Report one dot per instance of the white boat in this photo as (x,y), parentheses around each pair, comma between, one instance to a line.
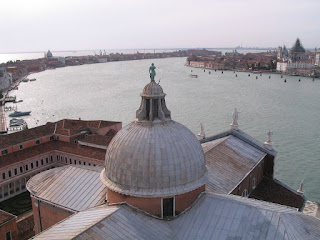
(32,79)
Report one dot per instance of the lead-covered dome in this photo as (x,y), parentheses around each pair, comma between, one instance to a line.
(153,160)
(154,156)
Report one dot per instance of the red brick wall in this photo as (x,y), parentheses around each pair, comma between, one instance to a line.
(247,183)
(183,201)
(10,226)
(153,205)
(49,215)
(150,205)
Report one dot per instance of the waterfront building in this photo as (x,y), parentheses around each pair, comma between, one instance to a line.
(160,182)
(5,79)
(296,61)
(26,153)
(48,54)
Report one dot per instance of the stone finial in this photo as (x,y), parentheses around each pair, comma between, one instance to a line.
(234,124)
(268,143)
(201,134)
(301,188)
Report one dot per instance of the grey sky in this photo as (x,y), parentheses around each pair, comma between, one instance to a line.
(38,25)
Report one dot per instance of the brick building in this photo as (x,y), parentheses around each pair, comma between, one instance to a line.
(24,154)
(8,226)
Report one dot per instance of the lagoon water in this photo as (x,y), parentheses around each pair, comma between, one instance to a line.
(110,91)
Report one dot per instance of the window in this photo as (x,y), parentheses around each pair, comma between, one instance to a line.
(4,152)
(80,162)
(244,193)
(57,137)
(70,161)
(31,165)
(57,158)
(167,207)
(38,142)
(21,169)
(37,163)
(21,147)
(47,160)
(89,164)
(61,158)
(3,175)
(75,162)
(9,173)
(66,160)
(27,167)
(51,138)
(41,162)
(51,157)
(8,235)
(253,183)
(84,163)
(75,141)
(94,165)
(15,171)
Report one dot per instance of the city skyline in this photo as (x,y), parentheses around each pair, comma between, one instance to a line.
(79,25)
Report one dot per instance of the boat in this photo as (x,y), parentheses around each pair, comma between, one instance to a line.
(15,122)
(18,114)
(15,101)
(32,79)
(193,75)
(25,80)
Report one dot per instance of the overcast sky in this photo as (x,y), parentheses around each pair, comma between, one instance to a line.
(39,25)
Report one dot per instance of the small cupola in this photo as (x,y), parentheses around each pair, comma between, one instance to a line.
(153,106)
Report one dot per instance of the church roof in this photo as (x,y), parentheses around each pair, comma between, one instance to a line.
(229,160)
(297,47)
(154,156)
(242,136)
(158,159)
(74,188)
(213,216)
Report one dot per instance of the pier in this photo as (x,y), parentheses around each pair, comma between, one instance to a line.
(10,99)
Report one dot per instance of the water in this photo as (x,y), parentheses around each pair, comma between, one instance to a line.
(110,91)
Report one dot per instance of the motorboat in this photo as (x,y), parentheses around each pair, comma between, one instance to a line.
(32,79)
(18,114)
(15,122)
(193,75)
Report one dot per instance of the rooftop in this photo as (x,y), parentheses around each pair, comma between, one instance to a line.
(5,217)
(229,159)
(213,216)
(272,191)
(75,188)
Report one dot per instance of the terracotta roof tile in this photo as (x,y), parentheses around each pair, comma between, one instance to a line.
(99,139)
(71,148)
(26,135)
(4,217)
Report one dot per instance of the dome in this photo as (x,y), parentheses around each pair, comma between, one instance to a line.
(154,160)
(297,47)
(152,89)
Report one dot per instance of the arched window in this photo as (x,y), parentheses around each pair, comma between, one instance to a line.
(253,183)
(244,193)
